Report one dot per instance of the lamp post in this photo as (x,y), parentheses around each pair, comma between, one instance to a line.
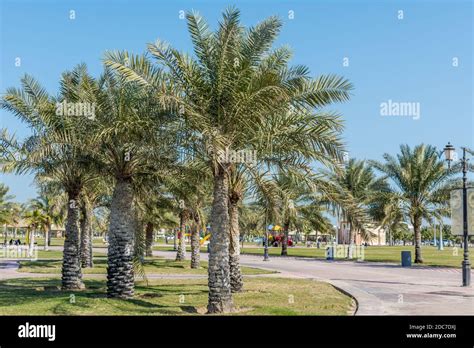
(441,244)
(265,249)
(265,246)
(466,264)
(449,154)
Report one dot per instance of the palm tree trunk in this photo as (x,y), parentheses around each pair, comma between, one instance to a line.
(86,235)
(236,281)
(351,242)
(175,241)
(220,295)
(46,236)
(195,246)
(48,239)
(32,242)
(417,233)
(120,275)
(139,237)
(71,271)
(149,239)
(181,254)
(284,242)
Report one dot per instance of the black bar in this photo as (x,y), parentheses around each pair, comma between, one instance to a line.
(242,330)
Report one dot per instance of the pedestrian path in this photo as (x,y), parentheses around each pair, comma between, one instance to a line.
(379,288)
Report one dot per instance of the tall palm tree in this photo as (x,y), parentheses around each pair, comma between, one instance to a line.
(135,142)
(419,178)
(59,148)
(226,94)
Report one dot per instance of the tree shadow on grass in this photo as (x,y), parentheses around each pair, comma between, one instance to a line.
(189,309)
(173,288)
(27,292)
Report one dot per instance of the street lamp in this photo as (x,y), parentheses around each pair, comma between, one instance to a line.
(441,243)
(265,249)
(449,154)
(265,246)
(466,264)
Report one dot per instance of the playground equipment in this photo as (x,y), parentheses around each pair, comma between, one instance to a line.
(276,236)
(202,241)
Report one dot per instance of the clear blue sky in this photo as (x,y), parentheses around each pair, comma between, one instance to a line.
(408,60)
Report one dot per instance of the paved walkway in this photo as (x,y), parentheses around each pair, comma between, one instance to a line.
(379,288)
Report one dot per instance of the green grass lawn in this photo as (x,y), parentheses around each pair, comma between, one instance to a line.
(449,257)
(53,254)
(50,254)
(170,248)
(40,241)
(152,265)
(431,255)
(261,296)
(97,242)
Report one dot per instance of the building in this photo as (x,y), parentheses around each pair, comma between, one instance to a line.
(21,227)
(378,239)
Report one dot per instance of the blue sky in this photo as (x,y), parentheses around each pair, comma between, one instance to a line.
(403,60)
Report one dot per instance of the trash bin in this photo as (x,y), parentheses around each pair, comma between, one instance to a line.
(406,258)
(330,253)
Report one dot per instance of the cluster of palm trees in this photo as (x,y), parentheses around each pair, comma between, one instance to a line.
(151,153)
(37,215)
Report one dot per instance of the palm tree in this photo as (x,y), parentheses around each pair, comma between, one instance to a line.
(190,188)
(236,191)
(313,215)
(59,149)
(418,177)
(36,220)
(16,213)
(135,144)
(357,181)
(85,224)
(227,95)
(291,194)
(52,208)
(250,222)
(6,208)
(393,218)
(157,211)
(96,193)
